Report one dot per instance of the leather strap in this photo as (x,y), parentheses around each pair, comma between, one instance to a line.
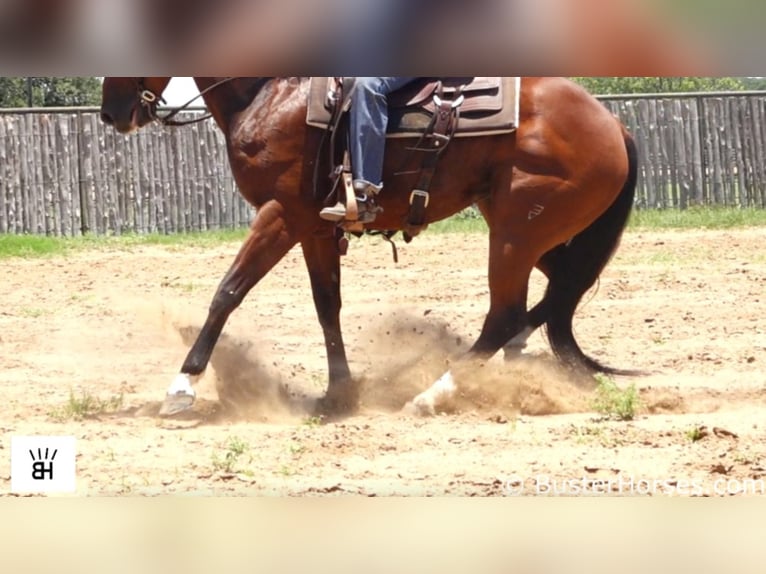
(440,132)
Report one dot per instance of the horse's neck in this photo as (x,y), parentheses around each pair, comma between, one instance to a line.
(229,97)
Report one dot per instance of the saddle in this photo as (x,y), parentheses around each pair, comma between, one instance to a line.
(489,106)
(434,110)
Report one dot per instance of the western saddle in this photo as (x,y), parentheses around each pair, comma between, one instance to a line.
(433,110)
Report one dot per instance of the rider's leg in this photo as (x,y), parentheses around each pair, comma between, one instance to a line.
(367,123)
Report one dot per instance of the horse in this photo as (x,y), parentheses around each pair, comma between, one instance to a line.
(556,194)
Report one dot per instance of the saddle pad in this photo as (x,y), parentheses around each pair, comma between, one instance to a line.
(491,106)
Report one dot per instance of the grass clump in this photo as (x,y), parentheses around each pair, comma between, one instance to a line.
(86,406)
(696,433)
(233,450)
(614,403)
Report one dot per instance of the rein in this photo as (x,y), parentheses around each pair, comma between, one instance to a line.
(150,101)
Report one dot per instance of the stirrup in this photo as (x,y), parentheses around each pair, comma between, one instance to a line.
(335,213)
(368,211)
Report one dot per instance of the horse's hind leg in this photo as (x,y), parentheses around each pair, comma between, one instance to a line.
(266,244)
(538,315)
(510,265)
(323,262)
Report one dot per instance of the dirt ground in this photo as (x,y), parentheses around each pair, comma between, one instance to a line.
(114,325)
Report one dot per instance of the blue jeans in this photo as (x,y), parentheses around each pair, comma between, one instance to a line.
(368,123)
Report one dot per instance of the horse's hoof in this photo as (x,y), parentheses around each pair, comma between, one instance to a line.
(419,408)
(331,407)
(176,403)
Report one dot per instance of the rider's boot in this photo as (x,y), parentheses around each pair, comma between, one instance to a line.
(365,198)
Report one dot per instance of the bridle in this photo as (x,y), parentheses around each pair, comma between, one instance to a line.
(151,102)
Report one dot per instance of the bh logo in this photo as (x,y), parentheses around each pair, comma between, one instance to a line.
(42,464)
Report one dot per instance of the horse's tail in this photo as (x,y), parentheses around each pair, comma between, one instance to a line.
(577,266)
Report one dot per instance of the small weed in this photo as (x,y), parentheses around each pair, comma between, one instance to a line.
(286,471)
(86,406)
(125,486)
(32,312)
(744,458)
(613,402)
(589,434)
(235,448)
(696,433)
(186,287)
(312,421)
(585,434)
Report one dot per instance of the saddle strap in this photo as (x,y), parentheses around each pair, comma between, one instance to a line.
(352,208)
(341,101)
(440,133)
(338,101)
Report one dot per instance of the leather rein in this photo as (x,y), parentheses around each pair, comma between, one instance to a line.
(151,102)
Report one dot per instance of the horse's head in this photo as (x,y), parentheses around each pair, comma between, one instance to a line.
(130,103)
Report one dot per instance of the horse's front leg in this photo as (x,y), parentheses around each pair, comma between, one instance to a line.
(323,262)
(268,241)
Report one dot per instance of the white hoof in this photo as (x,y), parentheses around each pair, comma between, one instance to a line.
(419,407)
(180,396)
(425,403)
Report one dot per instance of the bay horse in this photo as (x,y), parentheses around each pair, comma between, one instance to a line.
(556,194)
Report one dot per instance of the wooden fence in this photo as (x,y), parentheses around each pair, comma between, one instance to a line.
(65,173)
(62,172)
(698,149)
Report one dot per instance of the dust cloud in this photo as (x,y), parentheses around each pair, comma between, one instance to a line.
(410,353)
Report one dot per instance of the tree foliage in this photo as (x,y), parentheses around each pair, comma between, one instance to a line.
(49,92)
(647,85)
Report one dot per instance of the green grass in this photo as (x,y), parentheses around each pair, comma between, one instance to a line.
(470,221)
(697,218)
(696,433)
(614,403)
(86,406)
(29,246)
(467,221)
(195,239)
(312,421)
(234,449)
(32,312)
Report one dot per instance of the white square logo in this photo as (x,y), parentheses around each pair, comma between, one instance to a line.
(42,464)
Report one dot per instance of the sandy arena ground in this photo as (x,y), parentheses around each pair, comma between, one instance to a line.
(689,307)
